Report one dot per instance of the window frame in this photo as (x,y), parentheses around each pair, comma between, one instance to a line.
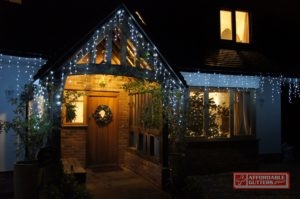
(232,94)
(234,26)
(84,115)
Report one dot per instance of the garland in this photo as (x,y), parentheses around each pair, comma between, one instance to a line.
(103,115)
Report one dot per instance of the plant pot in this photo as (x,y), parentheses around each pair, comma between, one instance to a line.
(27,179)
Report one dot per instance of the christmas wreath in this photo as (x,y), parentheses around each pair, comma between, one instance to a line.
(103,115)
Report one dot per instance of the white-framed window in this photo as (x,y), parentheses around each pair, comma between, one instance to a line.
(235,26)
(220,113)
(74,108)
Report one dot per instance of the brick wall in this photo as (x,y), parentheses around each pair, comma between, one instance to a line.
(73,139)
(123,125)
(73,143)
(149,170)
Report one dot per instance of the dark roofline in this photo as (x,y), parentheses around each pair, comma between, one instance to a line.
(238,71)
(54,62)
(23,54)
(178,75)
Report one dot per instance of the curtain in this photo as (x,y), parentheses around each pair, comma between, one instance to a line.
(246,29)
(242,114)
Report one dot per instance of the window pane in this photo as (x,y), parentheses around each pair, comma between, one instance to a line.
(130,54)
(144,64)
(219,114)
(74,108)
(100,53)
(85,59)
(116,47)
(79,112)
(195,117)
(242,124)
(242,26)
(225,25)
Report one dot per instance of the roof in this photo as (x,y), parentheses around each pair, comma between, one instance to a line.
(121,18)
(235,61)
(182,32)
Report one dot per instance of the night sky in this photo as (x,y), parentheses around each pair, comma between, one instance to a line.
(177,28)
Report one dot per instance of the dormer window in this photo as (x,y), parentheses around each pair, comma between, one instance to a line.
(234,24)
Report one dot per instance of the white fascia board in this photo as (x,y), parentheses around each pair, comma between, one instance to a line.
(220,80)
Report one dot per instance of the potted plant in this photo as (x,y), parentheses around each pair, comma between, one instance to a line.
(31,130)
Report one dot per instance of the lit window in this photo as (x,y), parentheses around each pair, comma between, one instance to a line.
(131,57)
(130,54)
(116,47)
(234,25)
(85,59)
(219,114)
(100,52)
(74,108)
(226,25)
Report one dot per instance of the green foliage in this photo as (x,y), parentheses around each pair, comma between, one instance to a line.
(174,111)
(70,112)
(223,110)
(140,86)
(30,127)
(197,116)
(152,111)
(65,186)
(52,192)
(163,104)
(70,188)
(151,114)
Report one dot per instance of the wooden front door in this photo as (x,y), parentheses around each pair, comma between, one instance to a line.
(102,140)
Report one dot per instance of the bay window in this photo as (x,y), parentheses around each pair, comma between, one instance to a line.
(220,113)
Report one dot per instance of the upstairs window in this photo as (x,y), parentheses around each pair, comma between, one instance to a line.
(234,24)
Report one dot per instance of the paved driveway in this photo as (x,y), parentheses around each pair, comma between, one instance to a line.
(121,184)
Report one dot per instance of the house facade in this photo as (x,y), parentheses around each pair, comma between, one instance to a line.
(235,100)
(107,97)
(116,102)
(15,72)
(232,94)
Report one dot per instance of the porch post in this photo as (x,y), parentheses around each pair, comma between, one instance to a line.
(109,48)
(123,44)
(54,111)
(164,155)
